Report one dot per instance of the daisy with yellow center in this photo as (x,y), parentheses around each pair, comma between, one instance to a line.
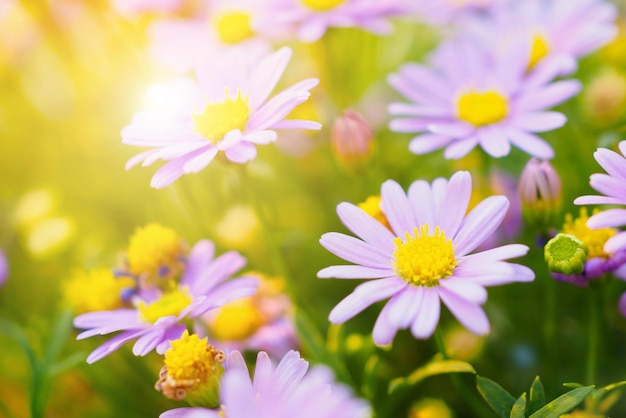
(162,314)
(424,258)
(225,111)
(466,98)
(594,239)
(155,251)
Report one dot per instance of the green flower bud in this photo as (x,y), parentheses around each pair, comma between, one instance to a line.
(566,254)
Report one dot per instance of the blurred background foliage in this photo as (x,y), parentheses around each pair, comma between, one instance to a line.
(72,73)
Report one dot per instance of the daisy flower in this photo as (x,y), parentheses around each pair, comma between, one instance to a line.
(284,391)
(313,17)
(557,27)
(139,7)
(4,268)
(447,11)
(227,111)
(612,186)
(157,319)
(425,258)
(466,98)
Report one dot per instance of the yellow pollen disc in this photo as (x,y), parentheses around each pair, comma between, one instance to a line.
(482,108)
(424,259)
(153,247)
(321,4)
(94,290)
(593,238)
(170,303)
(217,119)
(236,321)
(539,50)
(371,206)
(190,359)
(233,27)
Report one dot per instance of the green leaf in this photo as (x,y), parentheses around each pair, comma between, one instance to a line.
(434,367)
(58,337)
(573,385)
(496,397)
(537,397)
(519,407)
(563,403)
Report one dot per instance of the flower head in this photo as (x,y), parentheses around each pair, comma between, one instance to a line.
(425,258)
(612,186)
(95,290)
(4,268)
(227,111)
(155,251)
(540,193)
(313,17)
(160,314)
(284,391)
(467,98)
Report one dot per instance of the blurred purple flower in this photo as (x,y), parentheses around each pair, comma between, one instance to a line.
(451,11)
(612,186)
(467,98)
(425,259)
(284,391)
(4,268)
(227,111)
(155,322)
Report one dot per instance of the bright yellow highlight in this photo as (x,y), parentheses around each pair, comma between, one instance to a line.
(233,27)
(217,119)
(424,259)
(153,247)
(190,358)
(171,303)
(482,108)
(94,290)
(430,408)
(236,321)
(371,206)
(592,238)
(322,4)
(540,48)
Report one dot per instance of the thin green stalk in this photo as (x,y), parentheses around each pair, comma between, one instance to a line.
(593,333)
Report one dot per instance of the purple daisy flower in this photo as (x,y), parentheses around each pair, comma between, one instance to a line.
(154,322)
(227,110)
(313,17)
(424,259)
(612,186)
(284,391)
(467,98)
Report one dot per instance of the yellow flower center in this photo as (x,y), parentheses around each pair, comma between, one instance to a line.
(236,321)
(424,259)
(190,359)
(371,206)
(322,4)
(153,248)
(217,119)
(482,108)
(94,290)
(233,26)
(592,238)
(540,48)
(170,303)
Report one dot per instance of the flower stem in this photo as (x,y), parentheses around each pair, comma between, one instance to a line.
(593,333)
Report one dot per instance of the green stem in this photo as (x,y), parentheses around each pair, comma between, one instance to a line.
(593,333)
(467,393)
(550,326)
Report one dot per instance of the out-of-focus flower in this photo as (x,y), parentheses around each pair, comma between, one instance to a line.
(228,111)
(604,99)
(352,139)
(49,236)
(155,253)
(239,227)
(192,371)
(139,7)
(598,262)
(467,98)
(463,345)
(540,193)
(372,206)
(261,322)
(34,206)
(312,18)
(284,391)
(161,315)
(430,408)
(451,11)
(425,259)
(215,27)
(4,268)
(551,28)
(95,290)
(613,190)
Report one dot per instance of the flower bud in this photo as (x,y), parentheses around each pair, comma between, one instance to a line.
(604,100)
(352,139)
(566,254)
(540,193)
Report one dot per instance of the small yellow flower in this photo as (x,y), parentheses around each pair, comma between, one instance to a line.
(155,251)
(94,290)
